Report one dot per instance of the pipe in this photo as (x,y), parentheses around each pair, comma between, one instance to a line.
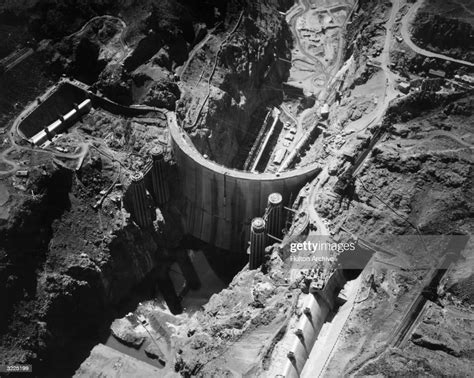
(257,243)
(274,215)
(141,213)
(158,176)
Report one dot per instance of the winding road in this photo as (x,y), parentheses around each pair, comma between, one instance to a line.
(123,44)
(376,116)
(449,136)
(195,49)
(223,42)
(406,35)
(107,17)
(83,146)
(14,166)
(296,12)
(417,306)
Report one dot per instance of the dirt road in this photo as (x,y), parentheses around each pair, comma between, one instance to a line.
(406,22)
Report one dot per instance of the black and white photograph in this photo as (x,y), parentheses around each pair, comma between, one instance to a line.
(236,188)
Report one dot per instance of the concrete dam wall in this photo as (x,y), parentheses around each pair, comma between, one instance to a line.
(218,203)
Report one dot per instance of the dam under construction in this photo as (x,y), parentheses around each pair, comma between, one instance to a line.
(237,211)
(236,188)
(217,203)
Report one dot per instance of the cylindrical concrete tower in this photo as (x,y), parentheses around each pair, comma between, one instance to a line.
(141,213)
(158,176)
(274,214)
(257,243)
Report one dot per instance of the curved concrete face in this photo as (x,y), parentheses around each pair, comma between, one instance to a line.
(219,203)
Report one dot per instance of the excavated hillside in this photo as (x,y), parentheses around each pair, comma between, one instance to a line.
(232,75)
(65,265)
(76,271)
(69,267)
(417,181)
(435,129)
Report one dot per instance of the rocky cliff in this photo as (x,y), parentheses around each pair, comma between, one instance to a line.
(66,267)
(237,71)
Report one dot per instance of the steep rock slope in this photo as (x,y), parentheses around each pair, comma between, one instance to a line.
(66,268)
(235,73)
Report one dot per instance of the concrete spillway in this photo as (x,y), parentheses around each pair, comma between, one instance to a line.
(315,310)
(219,202)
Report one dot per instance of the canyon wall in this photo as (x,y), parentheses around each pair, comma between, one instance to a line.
(65,269)
(233,76)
